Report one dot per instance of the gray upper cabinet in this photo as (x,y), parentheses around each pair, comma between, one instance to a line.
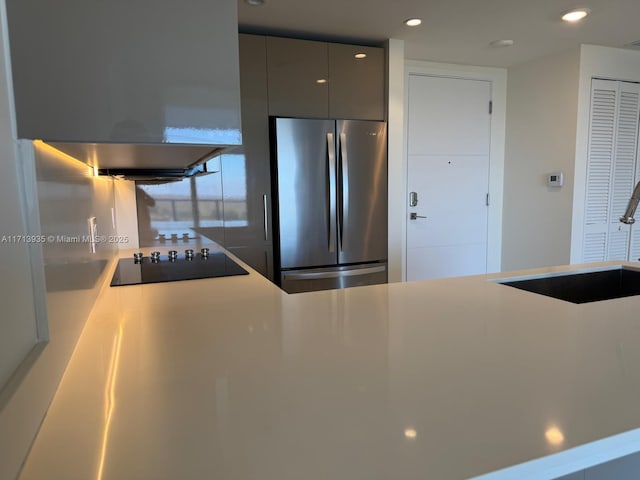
(357,82)
(118,71)
(298,72)
(325,80)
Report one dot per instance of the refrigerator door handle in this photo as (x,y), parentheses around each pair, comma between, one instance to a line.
(333,274)
(331,194)
(344,213)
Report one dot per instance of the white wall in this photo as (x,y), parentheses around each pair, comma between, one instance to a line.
(595,62)
(542,102)
(548,130)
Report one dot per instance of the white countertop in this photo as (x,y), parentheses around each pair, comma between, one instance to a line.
(231,378)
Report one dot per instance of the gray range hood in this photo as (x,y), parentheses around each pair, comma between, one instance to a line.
(150,89)
(141,162)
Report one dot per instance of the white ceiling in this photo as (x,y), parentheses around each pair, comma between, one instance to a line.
(453,31)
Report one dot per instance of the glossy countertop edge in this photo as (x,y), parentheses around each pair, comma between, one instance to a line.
(549,466)
(556,271)
(571,460)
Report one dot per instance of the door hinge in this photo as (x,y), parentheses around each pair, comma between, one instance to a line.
(487,200)
(490,107)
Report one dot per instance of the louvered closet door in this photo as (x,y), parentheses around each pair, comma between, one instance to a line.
(634,126)
(611,169)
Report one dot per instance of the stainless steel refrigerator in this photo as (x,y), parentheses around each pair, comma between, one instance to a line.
(330,203)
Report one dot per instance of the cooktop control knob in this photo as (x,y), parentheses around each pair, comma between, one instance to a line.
(188,253)
(173,255)
(204,252)
(137,257)
(155,257)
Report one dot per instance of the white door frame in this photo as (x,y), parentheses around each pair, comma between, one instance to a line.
(498,79)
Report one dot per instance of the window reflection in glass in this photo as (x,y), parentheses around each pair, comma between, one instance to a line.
(235,190)
(194,206)
(172,210)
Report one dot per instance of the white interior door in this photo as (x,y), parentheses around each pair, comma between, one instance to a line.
(449,130)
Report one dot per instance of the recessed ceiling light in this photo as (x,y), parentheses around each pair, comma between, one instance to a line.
(321,80)
(501,43)
(576,15)
(254,3)
(412,22)
(360,55)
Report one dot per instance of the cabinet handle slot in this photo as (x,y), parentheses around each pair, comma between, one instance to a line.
(265,216)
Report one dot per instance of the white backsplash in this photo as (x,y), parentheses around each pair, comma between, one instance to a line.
(68,196)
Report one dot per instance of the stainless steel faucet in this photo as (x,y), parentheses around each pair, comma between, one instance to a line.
(631,208)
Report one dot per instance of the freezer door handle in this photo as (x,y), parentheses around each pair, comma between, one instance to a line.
(331,193)
(344,210)
(333,274)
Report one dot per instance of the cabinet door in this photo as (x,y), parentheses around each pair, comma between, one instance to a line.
(611,167)
(247,200)
(298,78)
(257,257)
(356,87)
(126,72)
(20,261)
(245,171)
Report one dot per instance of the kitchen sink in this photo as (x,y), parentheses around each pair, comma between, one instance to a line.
(583,287)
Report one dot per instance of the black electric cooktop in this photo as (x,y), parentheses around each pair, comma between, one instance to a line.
(130,272)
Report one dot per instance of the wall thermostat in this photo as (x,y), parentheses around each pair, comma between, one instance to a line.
(554,179)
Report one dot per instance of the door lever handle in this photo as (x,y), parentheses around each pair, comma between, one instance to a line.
(415,216)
